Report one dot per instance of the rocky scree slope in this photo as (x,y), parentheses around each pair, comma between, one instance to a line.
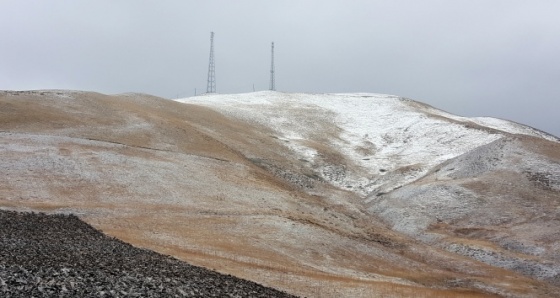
(60,255)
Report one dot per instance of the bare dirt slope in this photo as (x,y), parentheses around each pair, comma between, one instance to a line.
(245,197)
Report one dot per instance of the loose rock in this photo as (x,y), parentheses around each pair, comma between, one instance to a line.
(61,256)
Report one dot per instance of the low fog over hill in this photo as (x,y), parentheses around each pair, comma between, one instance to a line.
(313,194)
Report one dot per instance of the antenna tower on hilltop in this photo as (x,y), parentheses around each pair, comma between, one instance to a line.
(211,87)
(272,82)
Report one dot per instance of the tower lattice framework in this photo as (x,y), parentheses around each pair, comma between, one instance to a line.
(211,85)
(272,85)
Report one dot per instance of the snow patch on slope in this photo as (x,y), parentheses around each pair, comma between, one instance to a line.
(376,134)
(494,123)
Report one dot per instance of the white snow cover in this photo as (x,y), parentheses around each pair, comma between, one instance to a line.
(377,134)
(495,123)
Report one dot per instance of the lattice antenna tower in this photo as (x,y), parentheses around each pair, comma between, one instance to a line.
(272,79)
(211,86)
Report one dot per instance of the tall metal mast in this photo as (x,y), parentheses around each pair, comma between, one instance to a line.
(211,86)
(272,81)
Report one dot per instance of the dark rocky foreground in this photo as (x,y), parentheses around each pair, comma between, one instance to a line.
(62,256)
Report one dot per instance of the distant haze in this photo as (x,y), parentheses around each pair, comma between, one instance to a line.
(497,58)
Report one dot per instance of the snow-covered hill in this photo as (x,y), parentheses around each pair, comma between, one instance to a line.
(320,195)
(383,141)
(418,168)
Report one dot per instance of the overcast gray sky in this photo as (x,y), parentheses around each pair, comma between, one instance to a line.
(496,58)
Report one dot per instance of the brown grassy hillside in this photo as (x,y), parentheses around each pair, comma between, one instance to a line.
(223,193)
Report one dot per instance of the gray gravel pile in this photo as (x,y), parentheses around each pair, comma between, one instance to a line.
(62,256)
